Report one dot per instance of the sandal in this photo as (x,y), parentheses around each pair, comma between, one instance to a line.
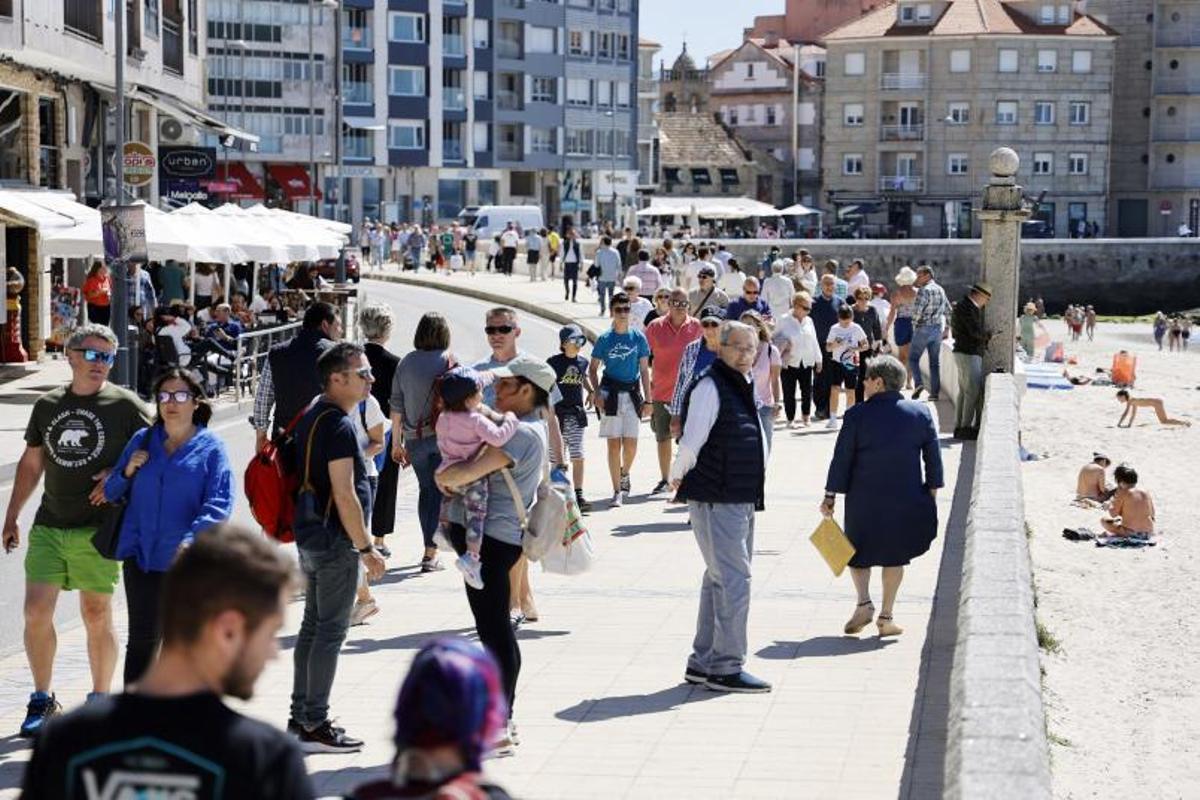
(861,618)
(887,627)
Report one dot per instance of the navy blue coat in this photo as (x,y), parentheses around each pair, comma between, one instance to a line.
(890,516)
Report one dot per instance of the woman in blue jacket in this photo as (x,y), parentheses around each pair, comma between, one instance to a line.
(177,481)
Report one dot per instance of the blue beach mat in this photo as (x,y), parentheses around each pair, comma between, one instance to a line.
(1046,376)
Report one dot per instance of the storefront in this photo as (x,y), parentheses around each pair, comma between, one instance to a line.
(289,186)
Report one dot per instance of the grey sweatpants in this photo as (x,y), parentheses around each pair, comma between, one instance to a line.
(725,534)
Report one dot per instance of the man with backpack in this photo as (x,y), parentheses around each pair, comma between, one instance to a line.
(332,538)
(289,376)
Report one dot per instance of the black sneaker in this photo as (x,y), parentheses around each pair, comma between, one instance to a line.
(661,486)
(741,682)
(42,706)
(917,392)
(294,728)
(584,506)
(328,739)
(695,676)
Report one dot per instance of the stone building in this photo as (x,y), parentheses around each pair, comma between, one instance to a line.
(701,157)
(917,94)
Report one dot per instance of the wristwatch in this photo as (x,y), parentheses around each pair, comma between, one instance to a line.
(362,551)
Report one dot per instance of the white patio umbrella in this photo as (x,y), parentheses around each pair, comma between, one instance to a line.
(257,244)
(318,242)
(295,247)
(798,210)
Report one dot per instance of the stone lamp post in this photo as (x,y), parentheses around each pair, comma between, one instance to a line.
(1001,215)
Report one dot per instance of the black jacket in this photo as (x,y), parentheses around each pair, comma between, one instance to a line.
(294,373)
(383,366)
(966,326)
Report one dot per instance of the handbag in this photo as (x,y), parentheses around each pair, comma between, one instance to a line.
(108,532)
(833,545)
(546,522)
(575,552)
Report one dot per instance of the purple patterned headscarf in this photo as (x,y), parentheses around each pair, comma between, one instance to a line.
(451,695)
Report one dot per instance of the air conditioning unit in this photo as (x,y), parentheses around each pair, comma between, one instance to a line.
(170,130)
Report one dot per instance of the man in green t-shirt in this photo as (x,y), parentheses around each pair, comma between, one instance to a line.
(75,435)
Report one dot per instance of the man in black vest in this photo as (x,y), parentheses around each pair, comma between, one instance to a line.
(289,379)
(719,471)
(970,343)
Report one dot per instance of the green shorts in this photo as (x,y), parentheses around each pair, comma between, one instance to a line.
(660,422)
(65,557)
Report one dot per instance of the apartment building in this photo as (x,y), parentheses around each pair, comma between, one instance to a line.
(269,71)
(768,91)
(918,94)
(648,146)
(1155,185)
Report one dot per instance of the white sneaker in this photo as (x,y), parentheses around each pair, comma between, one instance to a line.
(618,499)
(468,564)
(833,423)
(363,611)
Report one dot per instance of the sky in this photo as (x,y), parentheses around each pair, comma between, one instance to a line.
(709,25)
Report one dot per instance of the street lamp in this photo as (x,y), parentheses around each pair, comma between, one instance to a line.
(612,166)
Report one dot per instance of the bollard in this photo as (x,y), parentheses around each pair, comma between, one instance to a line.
(1001,215)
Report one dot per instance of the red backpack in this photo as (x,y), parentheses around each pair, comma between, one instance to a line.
(271,484)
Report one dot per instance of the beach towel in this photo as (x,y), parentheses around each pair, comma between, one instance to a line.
(1046,376)
(1125,541)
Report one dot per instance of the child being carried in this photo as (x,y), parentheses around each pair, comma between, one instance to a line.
(464,427)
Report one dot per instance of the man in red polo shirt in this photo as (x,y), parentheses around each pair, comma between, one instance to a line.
(668,336)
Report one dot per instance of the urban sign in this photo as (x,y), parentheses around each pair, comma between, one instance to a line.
(185,174)
(139,163)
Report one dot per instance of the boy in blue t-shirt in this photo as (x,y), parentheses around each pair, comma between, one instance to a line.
(571,371)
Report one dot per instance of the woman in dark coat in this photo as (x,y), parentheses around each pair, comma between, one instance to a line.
(891,504)
(376,323)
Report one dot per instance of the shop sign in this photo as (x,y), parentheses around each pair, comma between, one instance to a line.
(139,163)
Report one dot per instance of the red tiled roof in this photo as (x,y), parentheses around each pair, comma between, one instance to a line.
(965,18)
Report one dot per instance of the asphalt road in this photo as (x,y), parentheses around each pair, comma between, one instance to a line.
(408,304)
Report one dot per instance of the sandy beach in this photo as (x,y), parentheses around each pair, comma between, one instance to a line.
(1122,692)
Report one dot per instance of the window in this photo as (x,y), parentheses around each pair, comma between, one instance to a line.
(856,63)
(579,92)
(958,164)
(1081,113)
(852,115)
(959,113)
(480,137)
(482,34)
(924,12)
(623,47)
(578,43)
(623,94)
(6,8)
(1009,60)
(406,135)
(579,142)
(752,114)
(852,164)
(604,93)
(406,81)
(960,60)
(84,18)
(1047,60)
(407,28)
(604,45)
(1064,14)
(482,84)
(540,39)
(150,18)
(772,119)
(1006,112)
(1043,112)
(1077,164)
(1046,15)
(543,90)
(543,140)
(908,13)
(1043,163)
(1081,61)
(732,117)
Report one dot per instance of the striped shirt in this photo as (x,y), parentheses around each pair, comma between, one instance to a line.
(931,306)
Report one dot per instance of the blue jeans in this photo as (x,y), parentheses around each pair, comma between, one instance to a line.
(604,290)
(725,534)
(332,578)
(425,459)
(927,338)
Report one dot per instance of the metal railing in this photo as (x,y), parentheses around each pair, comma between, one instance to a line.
(507,100)
(901,183)
(510,152)
(452,149)
(902,133)
(508,48)
(454,44)
(902,80)
(454,98)
(358,38)
(251,352)
(358,92)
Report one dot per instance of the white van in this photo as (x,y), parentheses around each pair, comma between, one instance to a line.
(492,220)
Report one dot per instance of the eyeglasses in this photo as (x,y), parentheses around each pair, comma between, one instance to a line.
(97,356)
(710,323)
(679,304)
(492,330)
(746,351)
(178,397)
(363,372)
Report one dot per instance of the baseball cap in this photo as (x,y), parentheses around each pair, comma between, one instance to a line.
(536,372)
(878,288)
(570,332)
(706,272)
(709,312)
(458,384)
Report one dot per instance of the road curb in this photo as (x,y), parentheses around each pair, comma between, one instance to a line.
(491,297)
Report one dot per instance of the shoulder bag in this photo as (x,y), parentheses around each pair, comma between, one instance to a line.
(108,532)
(544,524)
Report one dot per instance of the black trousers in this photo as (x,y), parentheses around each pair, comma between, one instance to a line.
(822,384)
(571,280)
(142,593)
(860,389)
(489,605)
(99,314)
(383,515)
(791,377)
(510,256)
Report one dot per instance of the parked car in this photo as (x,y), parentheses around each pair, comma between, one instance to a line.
(329,265)
(1037,229)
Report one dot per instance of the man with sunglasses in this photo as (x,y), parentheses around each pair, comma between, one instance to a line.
(707,294)
(75,435)
(668,336)
(751,300)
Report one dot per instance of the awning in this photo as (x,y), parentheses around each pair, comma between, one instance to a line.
(293,180)
(363,124)
(708,208)
(67,229)
(798,210)
(184,112)
(701,176)
(235,172)
(729,177)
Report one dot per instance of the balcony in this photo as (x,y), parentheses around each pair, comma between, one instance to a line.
(357,38)
(902,133)
(358,92)
(901,183)
(452,150)
(892,81)
(509,151)
(1178,36)
(172,46)
(454,98)
(508,48)
(362,147)
(508,100)
(1183,83)
(454,44)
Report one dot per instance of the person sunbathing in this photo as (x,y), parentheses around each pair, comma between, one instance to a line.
(1132,404)
(1092,483)
(1132,509)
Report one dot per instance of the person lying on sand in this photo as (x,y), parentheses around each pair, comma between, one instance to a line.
(1092,484)
(1132,509)
(1132,404)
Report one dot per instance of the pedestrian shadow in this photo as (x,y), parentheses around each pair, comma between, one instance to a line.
(632,705)
(343,780)
(12,769)
(408,641)
(676,508)
(13,743)
(533,634)
(822,647)
(634,528)
(399,575)
(925,753)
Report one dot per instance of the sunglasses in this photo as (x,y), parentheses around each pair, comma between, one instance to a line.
(620,309)
(177,397)
(710,323)
(492,330)
(679,304)
(363,372)
(750,293)
(97,356)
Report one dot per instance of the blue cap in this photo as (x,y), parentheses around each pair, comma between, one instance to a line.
(570,332)
(458,384)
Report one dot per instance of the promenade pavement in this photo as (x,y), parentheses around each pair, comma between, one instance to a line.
(601,707)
